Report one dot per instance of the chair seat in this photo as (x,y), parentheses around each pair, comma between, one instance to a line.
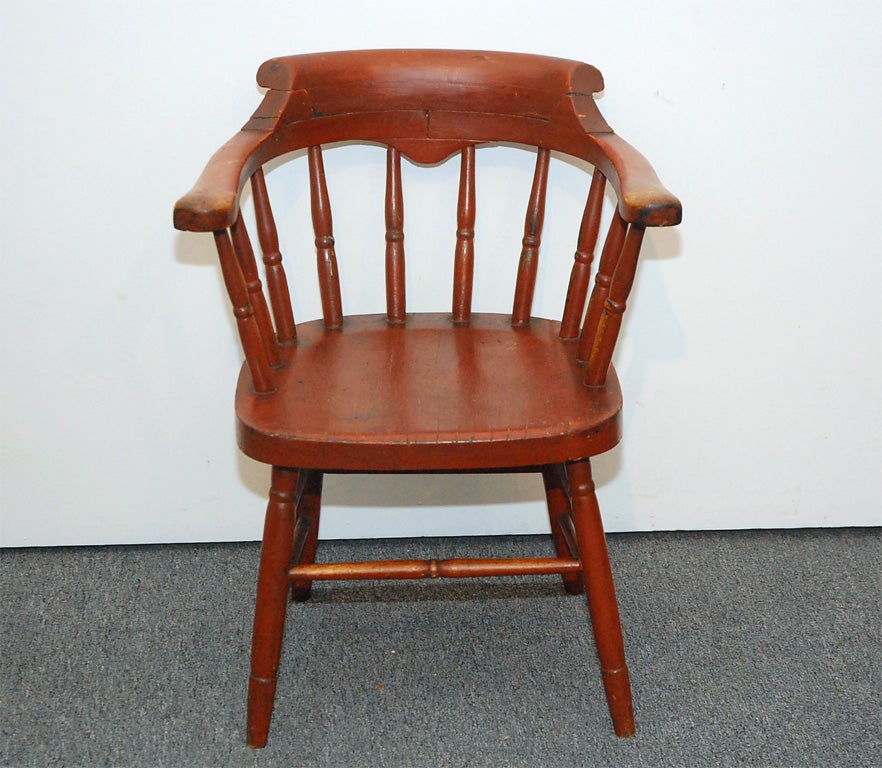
(428,395)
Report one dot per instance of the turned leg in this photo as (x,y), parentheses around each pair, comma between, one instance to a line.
(601,597)
(559,514)
(309,507)
(272,594)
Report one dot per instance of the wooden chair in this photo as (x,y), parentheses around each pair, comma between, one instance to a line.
(421,392)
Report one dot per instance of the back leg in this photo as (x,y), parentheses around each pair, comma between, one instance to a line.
(309,507)
(601,597)
(557,495)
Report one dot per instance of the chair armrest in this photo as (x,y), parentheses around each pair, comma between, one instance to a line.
(213,202)
(642,197)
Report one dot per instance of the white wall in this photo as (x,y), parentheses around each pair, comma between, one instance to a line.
(752,360)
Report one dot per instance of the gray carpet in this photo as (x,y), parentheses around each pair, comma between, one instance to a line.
(745,648)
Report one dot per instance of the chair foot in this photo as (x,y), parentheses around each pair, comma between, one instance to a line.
(261,696)
(601,597)
(617,685)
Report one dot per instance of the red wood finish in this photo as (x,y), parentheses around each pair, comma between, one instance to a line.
(609,257)
(601,597)
(458,568)
(557,494)
(581,273)
(276,281)
(429,104)
(308,517)
(614,308)
(460,392)
(272,594)
(245,254)
(396,308)
(427,396)
(329,280)
(249,329)
(464,258)
(528,265)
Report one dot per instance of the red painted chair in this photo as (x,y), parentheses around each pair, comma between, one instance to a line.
(404,392)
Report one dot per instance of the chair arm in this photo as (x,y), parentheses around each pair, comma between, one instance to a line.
(213,202)
(643,199)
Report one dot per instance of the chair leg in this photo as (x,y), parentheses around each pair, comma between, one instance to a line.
(309,507)
(272,599)
(557,496)
(601,597)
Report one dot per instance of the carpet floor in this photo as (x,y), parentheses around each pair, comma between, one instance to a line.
(746,648)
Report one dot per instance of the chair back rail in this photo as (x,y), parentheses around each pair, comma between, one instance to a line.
(464,255)
(396,299)
(581,272)
(276,281)
(528,265)
(609,256)
(326,256)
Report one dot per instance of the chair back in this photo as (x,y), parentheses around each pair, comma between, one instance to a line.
(427,106)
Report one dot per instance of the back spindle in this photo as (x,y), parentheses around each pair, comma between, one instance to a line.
(464,257)
(245,256)
(396,303)
(329,280)
(276,281)
(581,273)
(609,256)
(614,308)
(249,331)
(529,261)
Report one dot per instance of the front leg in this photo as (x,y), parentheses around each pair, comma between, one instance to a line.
(601,597)
(272,599)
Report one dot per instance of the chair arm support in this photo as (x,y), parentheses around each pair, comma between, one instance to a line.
(642,197)
(213,202)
